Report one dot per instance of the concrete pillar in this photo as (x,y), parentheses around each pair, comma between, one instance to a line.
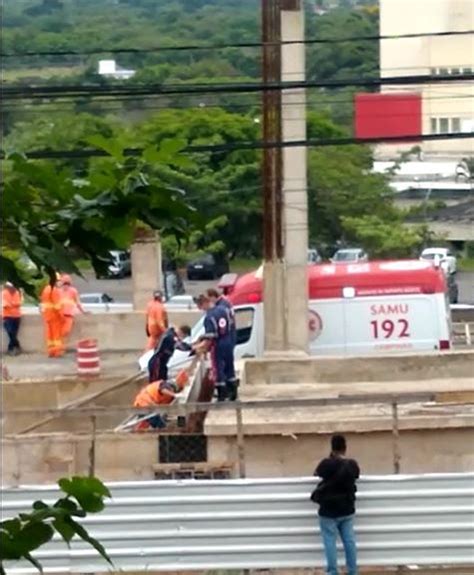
(295,195)
(146,267)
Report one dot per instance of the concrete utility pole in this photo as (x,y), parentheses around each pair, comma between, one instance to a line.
(146,267)
(285,180)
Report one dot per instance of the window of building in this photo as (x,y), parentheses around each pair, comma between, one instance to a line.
(443,125)
(467,70)
(455,125)
(433,71)
(434,125)
(455,71)
(443,71)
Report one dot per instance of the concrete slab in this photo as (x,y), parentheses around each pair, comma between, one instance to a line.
(346,418)
(33,366)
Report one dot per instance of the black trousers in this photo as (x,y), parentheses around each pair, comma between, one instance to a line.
(12,327)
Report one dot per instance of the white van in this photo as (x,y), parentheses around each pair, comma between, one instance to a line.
(355,309)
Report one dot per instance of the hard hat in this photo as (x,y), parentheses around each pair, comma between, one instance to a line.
(9,284)
(66,279)
(58,276)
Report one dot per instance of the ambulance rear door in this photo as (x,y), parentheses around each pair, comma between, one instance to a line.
(390,323)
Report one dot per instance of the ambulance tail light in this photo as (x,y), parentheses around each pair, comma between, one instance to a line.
(254,297)
(444,344)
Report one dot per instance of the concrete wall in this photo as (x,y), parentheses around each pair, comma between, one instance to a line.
(114,331)
(293,455)
(44,459)
(351,369)
(52,394)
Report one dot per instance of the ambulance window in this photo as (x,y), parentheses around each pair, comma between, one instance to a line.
(244,323)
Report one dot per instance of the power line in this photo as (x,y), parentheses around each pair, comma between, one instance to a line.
(247,145)
(91,90)
(224,46)
(117,104)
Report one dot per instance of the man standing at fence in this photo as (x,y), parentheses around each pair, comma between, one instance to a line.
(336,495)
(11,311)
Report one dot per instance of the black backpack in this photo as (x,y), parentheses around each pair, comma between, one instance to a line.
(322,491)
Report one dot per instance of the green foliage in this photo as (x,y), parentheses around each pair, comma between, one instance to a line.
(384,238)
(342,186)
(54,217)
(87,25)
(21,536)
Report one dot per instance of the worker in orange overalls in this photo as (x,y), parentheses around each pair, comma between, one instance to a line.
(71,304)
(156,320)
(11,312)
(51,310)
(159,393)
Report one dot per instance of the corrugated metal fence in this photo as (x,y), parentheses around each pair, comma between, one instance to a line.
(262,523)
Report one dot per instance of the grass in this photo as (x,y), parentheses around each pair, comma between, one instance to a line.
(46,72)
(244,265)
(466,264)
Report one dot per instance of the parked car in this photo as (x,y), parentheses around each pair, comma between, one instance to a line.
(350,255)
(88,298)
(314,257)
(120,267)
(442,257)
(102,302)
(207,267)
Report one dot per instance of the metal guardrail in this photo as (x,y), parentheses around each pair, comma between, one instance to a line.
(463,333)
(264,523)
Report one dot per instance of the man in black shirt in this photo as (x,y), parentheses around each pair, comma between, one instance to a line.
(171,340)
(337,495)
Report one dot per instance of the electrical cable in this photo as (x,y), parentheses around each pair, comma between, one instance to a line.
(32,92)
(247,145)
(223,46)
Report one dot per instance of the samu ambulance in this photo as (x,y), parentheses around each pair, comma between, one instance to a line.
(354,309)
(357,309)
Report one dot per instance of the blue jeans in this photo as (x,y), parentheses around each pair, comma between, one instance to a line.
(330,528)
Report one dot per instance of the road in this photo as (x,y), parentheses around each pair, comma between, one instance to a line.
(121,290)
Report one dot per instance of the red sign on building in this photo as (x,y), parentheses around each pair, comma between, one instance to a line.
(387,115)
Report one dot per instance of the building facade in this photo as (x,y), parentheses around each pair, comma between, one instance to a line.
(445,107)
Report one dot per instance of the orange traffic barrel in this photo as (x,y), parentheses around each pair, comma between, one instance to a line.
(88,361)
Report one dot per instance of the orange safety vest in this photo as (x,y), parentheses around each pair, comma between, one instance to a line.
(11,303)
(69,300)
(156,318)
(51,305)
(151,395)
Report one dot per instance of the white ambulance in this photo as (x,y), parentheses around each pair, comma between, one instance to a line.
(356,309)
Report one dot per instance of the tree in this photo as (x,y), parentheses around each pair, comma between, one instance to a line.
(224,186)
(384,238)
(21,536)
(341,185)
(55,217)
